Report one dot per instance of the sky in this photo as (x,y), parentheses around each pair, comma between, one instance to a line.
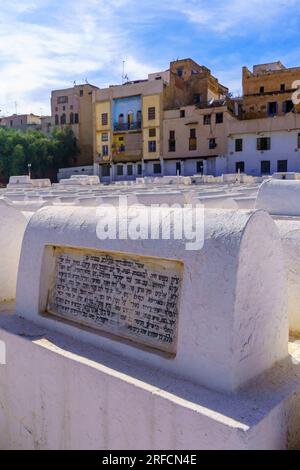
(49,44)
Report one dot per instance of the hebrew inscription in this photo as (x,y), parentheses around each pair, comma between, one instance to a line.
(129,296)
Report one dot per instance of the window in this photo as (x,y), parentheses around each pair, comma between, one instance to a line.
(264,143)
(197,98)
(71,107)
(157,168)
(129,170)
(219,118)
(151,113)
(152,146)
(287,106)
(207,119)
(56,109)
(63,119)
(139,117)
(119,170)
(180,71)
(64,108)
(62,99)
(272,108)
(212,143)
(239,145)
(106,170)
(76,118)
(81,92)
(104,137)
(104,119)
(282,87)
(139,169)
(172,142)
(56,119)
(104,150)
(262,89)
(192,140)
(182,113)
(71,118)
(152,132)
(265,167)
(240,167)
(282,166)
(200,168)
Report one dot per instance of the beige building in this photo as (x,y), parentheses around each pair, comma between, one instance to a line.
(73,107)
(195,138)
(128,119)
(268,89)
(22,122)
(47,125)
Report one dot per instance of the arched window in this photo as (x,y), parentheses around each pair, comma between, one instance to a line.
(121,118)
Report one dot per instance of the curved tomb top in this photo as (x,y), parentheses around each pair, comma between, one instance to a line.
(216,315)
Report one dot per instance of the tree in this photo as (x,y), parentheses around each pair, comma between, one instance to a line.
(18,160)
(45,154)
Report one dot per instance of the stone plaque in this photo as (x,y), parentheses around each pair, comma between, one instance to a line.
(129,296)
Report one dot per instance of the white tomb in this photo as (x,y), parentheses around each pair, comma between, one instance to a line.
(279,197)
(231,320)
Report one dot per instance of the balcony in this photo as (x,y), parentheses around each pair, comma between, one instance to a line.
(125,127)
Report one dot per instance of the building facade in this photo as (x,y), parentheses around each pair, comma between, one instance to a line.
(129,119)
(268,89)
(195,139)
(264,146)
(22,122)
(73,107)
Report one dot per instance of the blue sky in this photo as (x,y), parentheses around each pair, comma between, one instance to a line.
(47,44)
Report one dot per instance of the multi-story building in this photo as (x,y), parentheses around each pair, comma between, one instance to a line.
(195,138)
(128,119)
(73,107)
(22,122)
(47,125)
(267,91)
(266,138)
(264,146)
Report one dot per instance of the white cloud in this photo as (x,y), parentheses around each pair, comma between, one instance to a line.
(47,44)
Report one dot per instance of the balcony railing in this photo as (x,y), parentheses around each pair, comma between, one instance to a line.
(123,127)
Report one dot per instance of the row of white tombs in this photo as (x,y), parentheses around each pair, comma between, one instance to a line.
(128,342)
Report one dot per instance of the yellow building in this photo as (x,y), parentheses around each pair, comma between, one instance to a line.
(128,118)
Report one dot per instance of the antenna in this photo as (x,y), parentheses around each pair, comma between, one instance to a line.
(123,72)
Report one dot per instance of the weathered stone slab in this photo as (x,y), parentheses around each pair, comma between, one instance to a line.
(128,296)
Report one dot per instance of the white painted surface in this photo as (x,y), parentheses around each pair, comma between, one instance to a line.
(12,228)
(290,234)
(57,393)
(279,197)
(227,334)
(284,146)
